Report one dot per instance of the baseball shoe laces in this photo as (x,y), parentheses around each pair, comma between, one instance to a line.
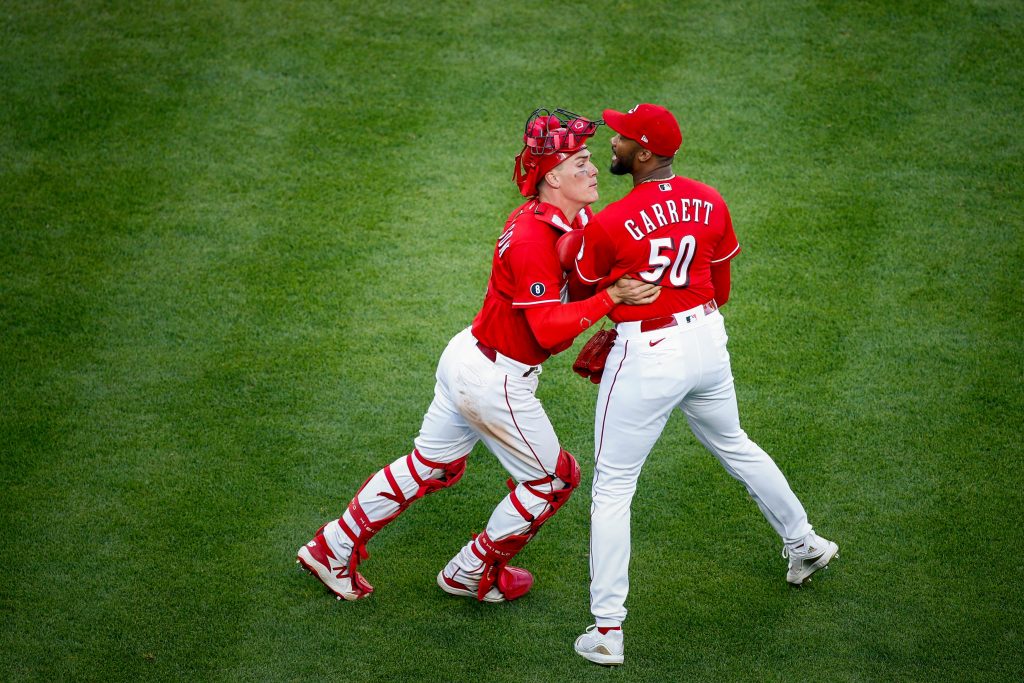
(807,557)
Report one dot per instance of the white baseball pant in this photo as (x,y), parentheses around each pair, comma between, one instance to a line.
(646,377)
(475,399)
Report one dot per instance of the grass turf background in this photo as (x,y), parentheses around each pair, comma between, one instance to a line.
(235,237)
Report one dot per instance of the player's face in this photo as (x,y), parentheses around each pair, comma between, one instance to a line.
(623,154)
(578,177)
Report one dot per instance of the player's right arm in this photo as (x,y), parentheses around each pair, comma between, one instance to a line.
(596,257)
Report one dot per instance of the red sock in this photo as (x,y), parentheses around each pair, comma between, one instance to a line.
(604,629)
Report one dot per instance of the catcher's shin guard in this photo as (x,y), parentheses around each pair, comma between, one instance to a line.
(388,493)
(514,582)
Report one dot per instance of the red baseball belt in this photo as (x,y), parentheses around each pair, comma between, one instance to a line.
(673,320)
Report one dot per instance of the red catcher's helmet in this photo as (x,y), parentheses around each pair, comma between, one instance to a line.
(550,137)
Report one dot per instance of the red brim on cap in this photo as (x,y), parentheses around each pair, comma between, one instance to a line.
(616,121)
(651,127)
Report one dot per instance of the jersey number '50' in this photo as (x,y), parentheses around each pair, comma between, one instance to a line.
(678,269)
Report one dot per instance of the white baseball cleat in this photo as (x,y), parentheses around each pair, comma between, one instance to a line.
(601,648)
(807,557)
(317,558)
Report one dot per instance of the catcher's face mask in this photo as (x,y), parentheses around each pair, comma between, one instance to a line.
(549,139)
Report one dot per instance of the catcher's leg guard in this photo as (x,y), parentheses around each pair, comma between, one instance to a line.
(534,502)
(382,498)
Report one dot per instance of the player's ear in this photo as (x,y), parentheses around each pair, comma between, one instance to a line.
(552,179)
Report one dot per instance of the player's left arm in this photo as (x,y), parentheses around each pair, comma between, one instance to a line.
(538,278)
(556,325)
(721,280)
(726,249)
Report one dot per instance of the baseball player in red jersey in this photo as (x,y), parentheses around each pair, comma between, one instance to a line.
(668,354)
(486,382)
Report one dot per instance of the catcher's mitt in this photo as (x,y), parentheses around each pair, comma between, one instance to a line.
(590,362)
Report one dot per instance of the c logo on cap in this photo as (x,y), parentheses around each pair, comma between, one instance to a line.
(537,289)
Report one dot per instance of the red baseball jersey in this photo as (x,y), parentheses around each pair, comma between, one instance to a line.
(525,272)
(667,232)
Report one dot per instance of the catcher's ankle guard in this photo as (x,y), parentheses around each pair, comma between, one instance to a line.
(496,554)
(367,529)
(513,582)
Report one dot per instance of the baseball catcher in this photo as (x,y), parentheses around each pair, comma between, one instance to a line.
(486,383)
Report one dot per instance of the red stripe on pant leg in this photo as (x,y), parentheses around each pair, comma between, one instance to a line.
(521,435)
(608,401)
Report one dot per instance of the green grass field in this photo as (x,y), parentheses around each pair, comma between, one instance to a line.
(236,236)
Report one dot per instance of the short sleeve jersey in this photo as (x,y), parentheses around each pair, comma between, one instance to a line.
(667,232)
(525,273)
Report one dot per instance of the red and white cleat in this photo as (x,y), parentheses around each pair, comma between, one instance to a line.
(317,558)
(514,581)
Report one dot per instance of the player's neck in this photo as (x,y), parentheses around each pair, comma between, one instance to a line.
(568,207)
(646,175)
